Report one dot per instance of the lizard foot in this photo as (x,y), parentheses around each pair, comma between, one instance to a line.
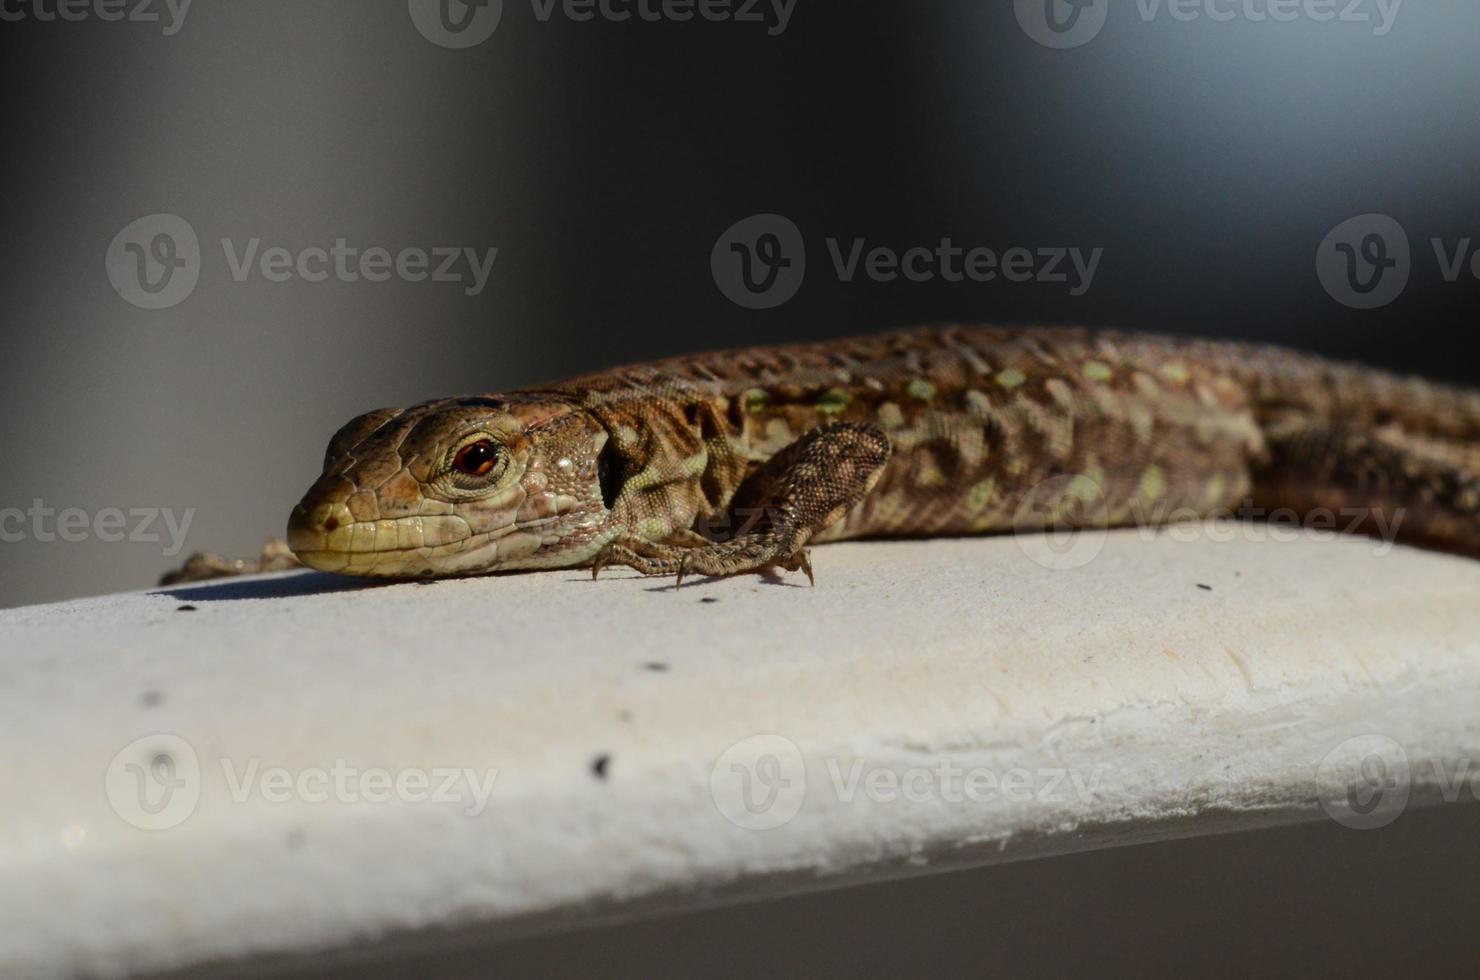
(750,553)
(204,566)
(805,488)
(648,557)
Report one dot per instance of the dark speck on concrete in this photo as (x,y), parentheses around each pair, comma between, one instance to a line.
(1205,588)
(655,665)
(151,699)
(599,766)
(709,598)
(185,608)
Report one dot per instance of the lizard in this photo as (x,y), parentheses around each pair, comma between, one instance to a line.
(737,461)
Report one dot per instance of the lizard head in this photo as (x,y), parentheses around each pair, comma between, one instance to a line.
(454,487)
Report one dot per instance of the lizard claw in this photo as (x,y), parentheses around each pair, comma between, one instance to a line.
(804,559)
(685,565)
(800,561)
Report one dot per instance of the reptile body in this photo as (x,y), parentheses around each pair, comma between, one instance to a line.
(736,460)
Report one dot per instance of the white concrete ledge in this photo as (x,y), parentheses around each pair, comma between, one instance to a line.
(928,704)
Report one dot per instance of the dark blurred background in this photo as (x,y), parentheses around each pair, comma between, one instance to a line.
(1210,157)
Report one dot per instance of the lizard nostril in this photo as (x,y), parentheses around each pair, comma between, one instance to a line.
(330,523)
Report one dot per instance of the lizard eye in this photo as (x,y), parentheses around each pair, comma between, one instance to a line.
(476,458)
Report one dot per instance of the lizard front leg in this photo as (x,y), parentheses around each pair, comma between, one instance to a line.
(806,487)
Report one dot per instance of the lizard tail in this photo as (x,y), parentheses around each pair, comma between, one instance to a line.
(1397,457)
(1283,383)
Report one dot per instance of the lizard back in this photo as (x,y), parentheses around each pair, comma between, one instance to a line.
(995,427)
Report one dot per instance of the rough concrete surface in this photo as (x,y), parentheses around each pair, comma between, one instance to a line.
(291,764)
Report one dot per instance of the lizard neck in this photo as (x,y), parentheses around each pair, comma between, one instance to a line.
(671,462)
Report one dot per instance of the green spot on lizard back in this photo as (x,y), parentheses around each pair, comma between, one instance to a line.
(833,400)
(1011,378)
(921,389)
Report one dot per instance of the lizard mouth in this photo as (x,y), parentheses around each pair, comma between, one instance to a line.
(328,538)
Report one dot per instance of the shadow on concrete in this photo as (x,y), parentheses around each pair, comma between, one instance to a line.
(282,585)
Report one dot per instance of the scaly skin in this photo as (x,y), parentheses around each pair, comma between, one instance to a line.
(734,461)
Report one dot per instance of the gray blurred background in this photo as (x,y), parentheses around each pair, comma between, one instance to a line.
(603,160)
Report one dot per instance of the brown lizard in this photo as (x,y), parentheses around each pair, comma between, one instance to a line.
(735,461)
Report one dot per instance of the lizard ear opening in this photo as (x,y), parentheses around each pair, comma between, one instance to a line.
(609,474)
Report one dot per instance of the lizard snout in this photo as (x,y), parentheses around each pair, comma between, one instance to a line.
(315,531)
